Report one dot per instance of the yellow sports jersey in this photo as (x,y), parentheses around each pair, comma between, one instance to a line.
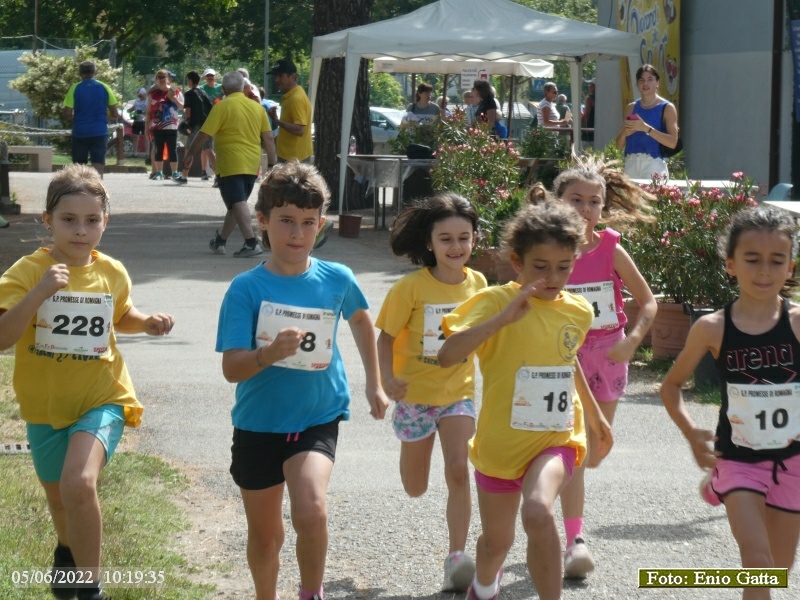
(412,314)
(295,108)
(56,388)
(546,338)
(236,124)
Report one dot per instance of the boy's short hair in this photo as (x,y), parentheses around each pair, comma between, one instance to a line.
(294,183)
(76,179)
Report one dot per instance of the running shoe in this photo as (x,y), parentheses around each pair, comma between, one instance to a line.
(471,595)
(248,251)
(459,569)
(578,561)
(217,244)
(180,179)
(62,562)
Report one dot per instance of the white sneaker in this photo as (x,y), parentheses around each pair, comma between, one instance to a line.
(459,569)
(578,562)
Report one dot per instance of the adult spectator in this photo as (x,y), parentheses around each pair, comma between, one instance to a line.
(88,104)
(649,121)
(250,90)
(587,115)
(547,114)
(240,129)
(210,86)
(441,102)
(564,113)
(208,159)
(487,109)
(422,108)
(469,106)
(138,113)
(294,140)
(196,107)
(163,103)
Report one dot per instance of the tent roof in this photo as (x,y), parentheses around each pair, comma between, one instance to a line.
(482,29)
(454,66)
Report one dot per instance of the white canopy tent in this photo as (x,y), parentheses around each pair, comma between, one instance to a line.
(450,66)
(460,30)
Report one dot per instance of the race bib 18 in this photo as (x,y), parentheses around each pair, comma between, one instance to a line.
(543,399)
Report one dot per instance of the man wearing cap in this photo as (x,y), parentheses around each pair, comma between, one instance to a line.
(89,103)
(294,141)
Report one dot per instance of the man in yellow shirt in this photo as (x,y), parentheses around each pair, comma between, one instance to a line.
(294,138)
(240,129)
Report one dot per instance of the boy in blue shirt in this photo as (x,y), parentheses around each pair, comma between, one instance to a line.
(277,333)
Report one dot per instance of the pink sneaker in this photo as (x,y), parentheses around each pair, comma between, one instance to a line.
(706,491)
(471,595)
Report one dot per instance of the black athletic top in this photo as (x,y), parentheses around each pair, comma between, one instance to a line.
(769,358)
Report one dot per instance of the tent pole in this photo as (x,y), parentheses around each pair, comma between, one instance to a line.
(444,96)
(576,88)
(510,105)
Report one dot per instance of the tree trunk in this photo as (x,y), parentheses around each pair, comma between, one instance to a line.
(330,16)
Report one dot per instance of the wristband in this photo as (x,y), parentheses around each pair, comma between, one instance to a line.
(649,129)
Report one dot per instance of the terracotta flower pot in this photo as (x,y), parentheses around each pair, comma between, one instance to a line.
(494,266)
(669,331)
(349,226)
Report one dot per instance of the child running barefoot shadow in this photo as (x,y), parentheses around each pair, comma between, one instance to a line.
(754,464)
(601,193)
(61,308)
(530,434)
(277,332)
(439,234)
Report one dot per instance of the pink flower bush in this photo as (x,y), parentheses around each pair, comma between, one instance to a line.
(677,254)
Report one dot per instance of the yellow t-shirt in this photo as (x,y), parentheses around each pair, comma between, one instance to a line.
(548,335)
(56,388)
(236,124)
(412,314)
(295,108)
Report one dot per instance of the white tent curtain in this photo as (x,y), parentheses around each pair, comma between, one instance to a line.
(461,30)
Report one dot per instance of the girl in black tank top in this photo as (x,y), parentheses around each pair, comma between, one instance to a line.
(754,465)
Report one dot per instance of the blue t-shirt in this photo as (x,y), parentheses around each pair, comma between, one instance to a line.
(90,100)
(280,399)
(639,142)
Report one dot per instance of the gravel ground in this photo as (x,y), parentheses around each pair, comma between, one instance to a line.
(643,509)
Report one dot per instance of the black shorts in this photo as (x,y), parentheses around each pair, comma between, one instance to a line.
(236,188)
(257,458)
(137,127)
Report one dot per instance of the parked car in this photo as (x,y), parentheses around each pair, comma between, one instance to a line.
(385,123)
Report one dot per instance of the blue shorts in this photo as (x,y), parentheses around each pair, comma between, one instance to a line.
(236,188)
(415,422)
(49,446)
(89,148)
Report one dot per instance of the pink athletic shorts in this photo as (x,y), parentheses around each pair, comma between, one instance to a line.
(495,485)
(607,378)
(780,485)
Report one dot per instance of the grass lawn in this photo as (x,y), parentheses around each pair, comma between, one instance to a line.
(139,518)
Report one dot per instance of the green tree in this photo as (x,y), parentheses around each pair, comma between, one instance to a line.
(384,90)
(49,77)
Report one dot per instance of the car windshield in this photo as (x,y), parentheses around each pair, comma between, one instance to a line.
(390,115)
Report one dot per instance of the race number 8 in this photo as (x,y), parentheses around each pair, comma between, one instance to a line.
(79,322)
(307,345)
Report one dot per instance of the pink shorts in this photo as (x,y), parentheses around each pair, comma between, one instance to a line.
(779,485)
(607,378)
(495,485)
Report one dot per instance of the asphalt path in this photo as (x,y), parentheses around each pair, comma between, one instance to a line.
(643,509)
